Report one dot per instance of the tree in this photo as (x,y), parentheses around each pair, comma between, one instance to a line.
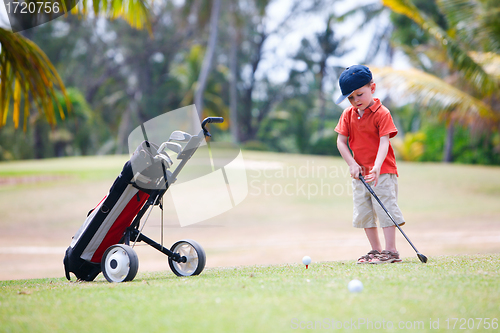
(256,32)
(468,93)
(29,78)
(208,58)
(186,72)
(233,71)
(315,55)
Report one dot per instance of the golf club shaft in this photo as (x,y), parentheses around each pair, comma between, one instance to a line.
(385,209)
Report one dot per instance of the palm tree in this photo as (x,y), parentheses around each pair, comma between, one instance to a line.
(233,71)
(187,73)
(255,34)
(469,92)
(208,58)
(329,46)
(455,50)
(28,77)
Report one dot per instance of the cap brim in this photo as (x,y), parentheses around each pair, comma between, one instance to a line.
(341,98)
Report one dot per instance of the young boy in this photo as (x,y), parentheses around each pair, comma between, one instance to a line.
(368,126)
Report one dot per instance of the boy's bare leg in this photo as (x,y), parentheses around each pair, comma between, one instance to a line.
(372,234)
(390,238)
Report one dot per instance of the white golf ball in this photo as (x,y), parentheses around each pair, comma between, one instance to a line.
(306,260)
(355,286)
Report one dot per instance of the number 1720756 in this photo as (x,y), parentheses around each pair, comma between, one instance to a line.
(471,323)
(39,7)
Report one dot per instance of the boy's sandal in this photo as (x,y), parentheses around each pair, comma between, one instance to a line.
(366,259)
(386,257)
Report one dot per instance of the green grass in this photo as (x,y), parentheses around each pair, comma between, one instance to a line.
(278,298)
(449,209)
(87,167)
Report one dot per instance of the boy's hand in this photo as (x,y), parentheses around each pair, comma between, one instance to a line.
(373,175)
(381,155)
(355,170)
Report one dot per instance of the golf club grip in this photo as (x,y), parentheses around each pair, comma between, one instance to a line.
(368,187)
(216,120)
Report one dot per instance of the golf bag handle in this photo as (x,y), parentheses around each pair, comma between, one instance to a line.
(209,120)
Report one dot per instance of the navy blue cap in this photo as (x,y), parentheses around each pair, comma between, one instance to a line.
(353,78)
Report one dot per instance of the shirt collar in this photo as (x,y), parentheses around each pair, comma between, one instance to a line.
(376,105)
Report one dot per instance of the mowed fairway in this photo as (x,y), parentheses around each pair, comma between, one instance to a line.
(449,294)
(254,282)
(296,205)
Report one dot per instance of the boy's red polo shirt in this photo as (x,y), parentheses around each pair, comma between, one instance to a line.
(364,135)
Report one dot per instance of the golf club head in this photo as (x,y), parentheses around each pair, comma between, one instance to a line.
(180,136)
(422,258)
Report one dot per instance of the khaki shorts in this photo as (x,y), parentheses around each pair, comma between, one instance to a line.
(366,207)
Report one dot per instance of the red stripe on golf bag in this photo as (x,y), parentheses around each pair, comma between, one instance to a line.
(100,202)
(122,222)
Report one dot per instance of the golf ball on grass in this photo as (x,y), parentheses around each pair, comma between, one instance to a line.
(355,286)
(306,261)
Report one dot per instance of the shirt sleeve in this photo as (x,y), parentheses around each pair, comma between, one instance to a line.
(343,125)
(386,125)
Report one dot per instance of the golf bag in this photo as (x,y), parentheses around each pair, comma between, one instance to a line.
(107,222)
(102,242)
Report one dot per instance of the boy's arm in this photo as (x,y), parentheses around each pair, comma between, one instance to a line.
(383,148)
(354,168)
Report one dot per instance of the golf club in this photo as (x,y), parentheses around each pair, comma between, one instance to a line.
(420,256)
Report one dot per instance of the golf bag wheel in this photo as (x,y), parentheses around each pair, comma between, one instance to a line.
(119,263)
(195,258)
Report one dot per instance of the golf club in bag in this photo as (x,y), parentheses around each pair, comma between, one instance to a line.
(420,256)
(103,242)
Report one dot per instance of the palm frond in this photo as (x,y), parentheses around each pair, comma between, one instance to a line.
(489,61)
(27,76)
(429,90)
(472,71)
(134,12)
(457,11)
(476,21)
